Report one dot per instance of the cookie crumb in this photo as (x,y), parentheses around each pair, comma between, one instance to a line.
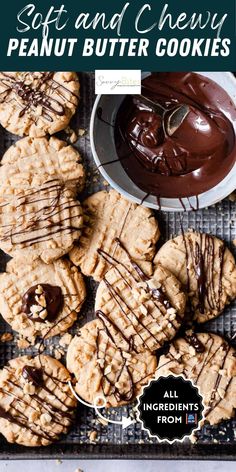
(81,132)
(65,340)
(192,351)
(103,421)
(232,197)
(45,419)
(29,388)
(23,343)
(32,340)
(33,416)
(72,135)
(57,354)
(193,438)
(5,337)
(39,290)
(93,436)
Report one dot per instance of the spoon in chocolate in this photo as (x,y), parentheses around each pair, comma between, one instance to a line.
(172,118)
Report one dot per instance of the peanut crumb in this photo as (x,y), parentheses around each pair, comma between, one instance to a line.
(153,284)
(73,137)
(32,340)
(102,421)
(43,314)
(193,438)
(33,416)
(45,419)
(171,311)
(65,340)
(29,388)
(192,351)
(39,290)
(41,300)
(232,197)
(93,436)
(143,310)
(5,337)
(57,354)
(23,343)
(81,132)
(107,370)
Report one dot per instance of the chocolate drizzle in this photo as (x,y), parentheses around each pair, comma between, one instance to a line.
(47,93)
(202,255)
(206,358)
(39,225)
(55,405)
(107,322)
(31,374)
(107,351)
(142,330)
(110,386)
(197,156)
(195,342)
(213,403)
(54,301)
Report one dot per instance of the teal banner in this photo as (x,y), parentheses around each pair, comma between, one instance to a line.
(87,35)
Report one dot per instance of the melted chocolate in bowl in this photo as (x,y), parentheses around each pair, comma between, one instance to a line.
(197,156)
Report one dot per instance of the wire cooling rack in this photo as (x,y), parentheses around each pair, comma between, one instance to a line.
(111,440)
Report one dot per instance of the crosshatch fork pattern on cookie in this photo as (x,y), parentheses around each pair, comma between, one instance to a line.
(218,219)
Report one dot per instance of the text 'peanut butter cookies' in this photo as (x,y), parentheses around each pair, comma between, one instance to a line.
(140,312)
(30,162)
(109,216)
(36,404)
(205,267)
(102,369)
(37,103)
(41,299)
(210,363)
(41,222)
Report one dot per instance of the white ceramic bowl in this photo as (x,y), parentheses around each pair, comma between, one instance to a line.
(104,150)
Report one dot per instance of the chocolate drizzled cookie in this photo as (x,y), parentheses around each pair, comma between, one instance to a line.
(101,368)
(36,404)
(210,362)
(144,311)
(41,222)
(109,216)
(41,299)
(37,103)
(205,267)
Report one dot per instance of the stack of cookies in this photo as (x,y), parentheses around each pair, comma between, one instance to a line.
(145,300)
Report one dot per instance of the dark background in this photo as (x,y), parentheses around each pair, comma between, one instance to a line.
(8,23)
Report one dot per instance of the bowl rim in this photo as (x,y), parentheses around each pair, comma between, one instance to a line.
(145,203)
